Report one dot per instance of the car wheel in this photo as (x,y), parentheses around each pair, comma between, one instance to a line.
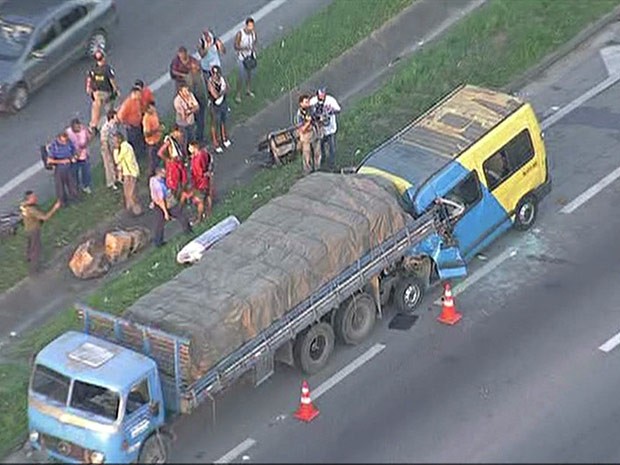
(97,41)
(526,212)
(19,98)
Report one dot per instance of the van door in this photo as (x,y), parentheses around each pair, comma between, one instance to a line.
(483,218)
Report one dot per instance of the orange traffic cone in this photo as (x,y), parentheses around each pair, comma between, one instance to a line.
(306,411)
(449,315)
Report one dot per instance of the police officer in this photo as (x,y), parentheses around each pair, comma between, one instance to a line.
(33,218)
(102,88)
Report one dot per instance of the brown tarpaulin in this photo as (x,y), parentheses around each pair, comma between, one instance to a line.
(282,253)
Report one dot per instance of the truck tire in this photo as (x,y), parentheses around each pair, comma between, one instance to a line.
(525,213)
(313,348)
(355,319)
(154,449)
(408,293)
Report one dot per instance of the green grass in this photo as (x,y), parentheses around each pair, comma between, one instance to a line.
(282,66)
(491,47)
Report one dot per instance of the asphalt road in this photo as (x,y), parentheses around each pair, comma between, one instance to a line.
(520,379)
(142,46)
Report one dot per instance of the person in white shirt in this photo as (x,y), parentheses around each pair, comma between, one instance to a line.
(245,46)
(326,108)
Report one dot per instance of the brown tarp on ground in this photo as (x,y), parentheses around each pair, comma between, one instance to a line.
(281,254)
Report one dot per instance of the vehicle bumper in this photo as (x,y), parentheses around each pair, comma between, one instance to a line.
(544,189)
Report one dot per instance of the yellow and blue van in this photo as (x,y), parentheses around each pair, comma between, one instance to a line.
(479,147)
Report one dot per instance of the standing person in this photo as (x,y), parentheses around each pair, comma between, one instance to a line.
(210,49)
(109,129)
(179,67)
(129,171)
(173,145)
(201,177)
(186,106)
(101,87)
(80,136)
(130,114)
(308,133)
(33,218)
(245,45)
(176,177)
(165,207)
(147,96)
(198,87)
(152,129)
(62,154)
(218,88)
(327,107)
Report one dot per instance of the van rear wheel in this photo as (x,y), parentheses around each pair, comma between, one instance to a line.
(355,319)
(408,293)
(313,348)
(526,213)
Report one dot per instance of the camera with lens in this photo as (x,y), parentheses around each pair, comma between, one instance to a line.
(320,116)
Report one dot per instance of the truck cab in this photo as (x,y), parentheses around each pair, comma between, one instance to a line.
(480,148)
(93,401)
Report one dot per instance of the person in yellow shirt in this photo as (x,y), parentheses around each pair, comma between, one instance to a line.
(128,171)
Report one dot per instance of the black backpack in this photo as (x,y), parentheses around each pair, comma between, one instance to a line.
(44,156)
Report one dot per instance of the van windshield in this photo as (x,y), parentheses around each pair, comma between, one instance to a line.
(50,384)
(95,400)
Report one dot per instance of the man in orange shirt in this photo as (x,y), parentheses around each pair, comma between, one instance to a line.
(147,94)
(152,129)
(130,114)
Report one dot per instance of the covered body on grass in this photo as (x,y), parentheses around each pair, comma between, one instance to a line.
(277,258)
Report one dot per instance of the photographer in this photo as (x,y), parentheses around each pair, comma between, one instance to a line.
(308,131)
(325,108)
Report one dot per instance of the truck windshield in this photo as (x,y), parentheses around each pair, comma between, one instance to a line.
(95,400)
(51,384)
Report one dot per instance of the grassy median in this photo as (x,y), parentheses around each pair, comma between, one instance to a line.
(283,65)
(491,47)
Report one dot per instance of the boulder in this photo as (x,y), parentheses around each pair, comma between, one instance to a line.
(118,246)
(140,237)
(89,261)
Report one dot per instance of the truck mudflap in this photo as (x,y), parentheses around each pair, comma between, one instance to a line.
(449,262)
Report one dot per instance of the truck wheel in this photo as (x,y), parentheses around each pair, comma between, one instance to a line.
(526,212)
(408,293)
(313,348)
(355,319)
(154,450)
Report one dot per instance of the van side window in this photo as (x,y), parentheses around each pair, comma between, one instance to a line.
(507,160)
(138,397)
(467,192)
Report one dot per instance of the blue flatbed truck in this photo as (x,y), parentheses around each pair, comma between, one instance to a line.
(111,354)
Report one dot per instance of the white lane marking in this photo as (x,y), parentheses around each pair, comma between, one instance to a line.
(346,371)
(481,272)
(236,451)
(155,86)
(591,192)
(611,344)
(583,98)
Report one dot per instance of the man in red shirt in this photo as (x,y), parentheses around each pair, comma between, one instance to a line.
(176,177)
(201,174)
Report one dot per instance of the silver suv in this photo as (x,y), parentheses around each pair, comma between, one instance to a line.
(39,38)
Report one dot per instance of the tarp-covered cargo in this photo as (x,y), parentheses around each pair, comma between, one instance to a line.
(281,254)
